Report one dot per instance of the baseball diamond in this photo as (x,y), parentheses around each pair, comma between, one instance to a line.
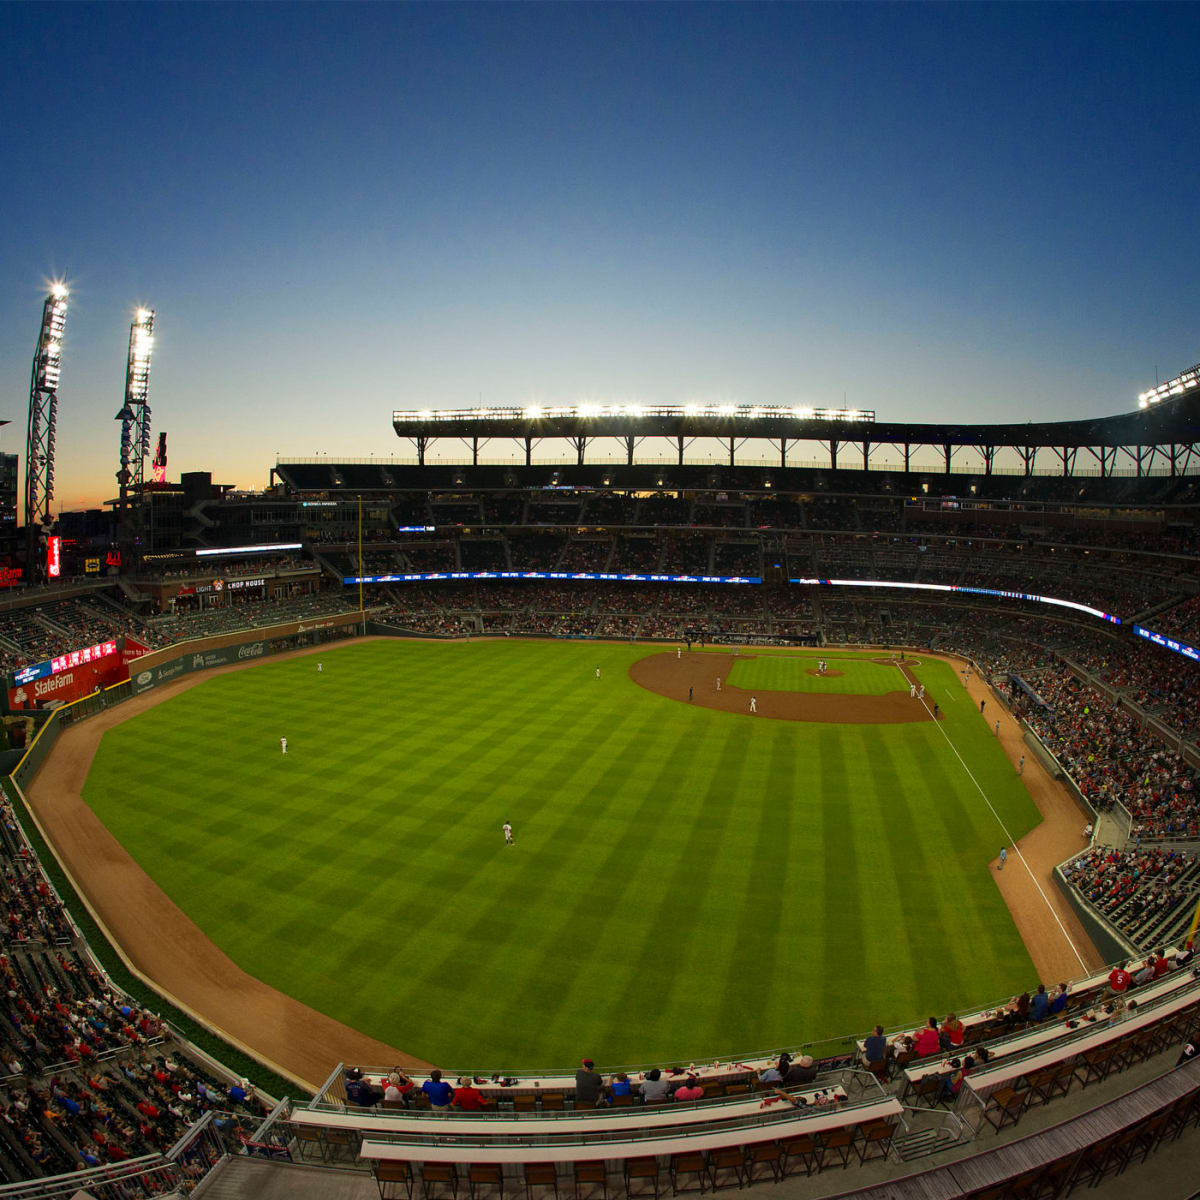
(655,840)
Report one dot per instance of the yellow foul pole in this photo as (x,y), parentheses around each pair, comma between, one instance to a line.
(1191,933)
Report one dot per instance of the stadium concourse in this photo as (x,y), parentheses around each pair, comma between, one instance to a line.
(1101,721)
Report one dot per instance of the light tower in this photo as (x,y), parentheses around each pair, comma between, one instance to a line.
(135,431)
(43,420)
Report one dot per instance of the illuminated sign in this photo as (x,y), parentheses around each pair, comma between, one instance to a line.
(10,576)
(249,549)
(54,557)
(64,662)
(1168,643)
(414,529)
(236,584)
(91,566)
(433,576)
(957,587)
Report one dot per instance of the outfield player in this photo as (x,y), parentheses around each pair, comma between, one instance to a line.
(320,668)
(597,672)
(508,836)
(754,704)
(283,744)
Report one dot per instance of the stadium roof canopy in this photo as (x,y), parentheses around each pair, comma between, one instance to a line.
(1167,428)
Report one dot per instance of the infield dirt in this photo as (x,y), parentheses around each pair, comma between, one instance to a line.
(693,679)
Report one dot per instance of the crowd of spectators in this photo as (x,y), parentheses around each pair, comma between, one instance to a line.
(1114,758)
(1163,683)
(210,567)
(1182,621)
(87,1076)
(1141,891)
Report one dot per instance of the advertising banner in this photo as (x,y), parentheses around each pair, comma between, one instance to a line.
(70,684)
(202,660)
(133,649)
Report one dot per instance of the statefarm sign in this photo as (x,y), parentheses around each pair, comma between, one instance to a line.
(67,677)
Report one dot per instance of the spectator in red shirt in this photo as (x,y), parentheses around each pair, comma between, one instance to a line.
(1118,979)
(1161,965)
(469,1098)
(689,1090)
(928,1041)
(954,1030)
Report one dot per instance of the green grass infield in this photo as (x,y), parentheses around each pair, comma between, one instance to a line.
(796,671)
(685,883)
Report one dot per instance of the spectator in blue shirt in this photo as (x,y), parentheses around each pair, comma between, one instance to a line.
(1059,1004)
(440,1094)
(1039,1006)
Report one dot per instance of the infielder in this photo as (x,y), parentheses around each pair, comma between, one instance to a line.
(508,836)
(283,744)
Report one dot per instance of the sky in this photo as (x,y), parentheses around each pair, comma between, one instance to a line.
(976,212)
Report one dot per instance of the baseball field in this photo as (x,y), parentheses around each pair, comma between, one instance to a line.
(687,879)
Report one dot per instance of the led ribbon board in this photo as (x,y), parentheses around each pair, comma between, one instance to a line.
(1168,643)
(64,662)
(434,576)
(973,591)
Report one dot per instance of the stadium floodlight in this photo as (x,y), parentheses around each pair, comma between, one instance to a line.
(593,411)
(1182,383)
(135,424)
(43,422)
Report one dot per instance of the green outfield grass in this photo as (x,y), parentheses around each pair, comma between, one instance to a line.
(685,882)
(789,672)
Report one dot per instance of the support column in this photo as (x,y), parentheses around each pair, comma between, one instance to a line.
(866,452)
(679,443)
(630,442)
(474,452)
(731,446)
(783,452)
(529,451)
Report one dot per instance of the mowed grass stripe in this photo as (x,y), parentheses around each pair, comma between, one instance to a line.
(685,882)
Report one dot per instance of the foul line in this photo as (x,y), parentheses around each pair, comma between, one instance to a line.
(1008,837)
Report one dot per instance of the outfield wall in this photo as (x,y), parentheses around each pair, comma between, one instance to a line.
(161,666)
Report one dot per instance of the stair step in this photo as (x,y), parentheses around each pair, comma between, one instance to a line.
(923,1143)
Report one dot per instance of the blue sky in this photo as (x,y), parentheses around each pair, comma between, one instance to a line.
(975,211)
